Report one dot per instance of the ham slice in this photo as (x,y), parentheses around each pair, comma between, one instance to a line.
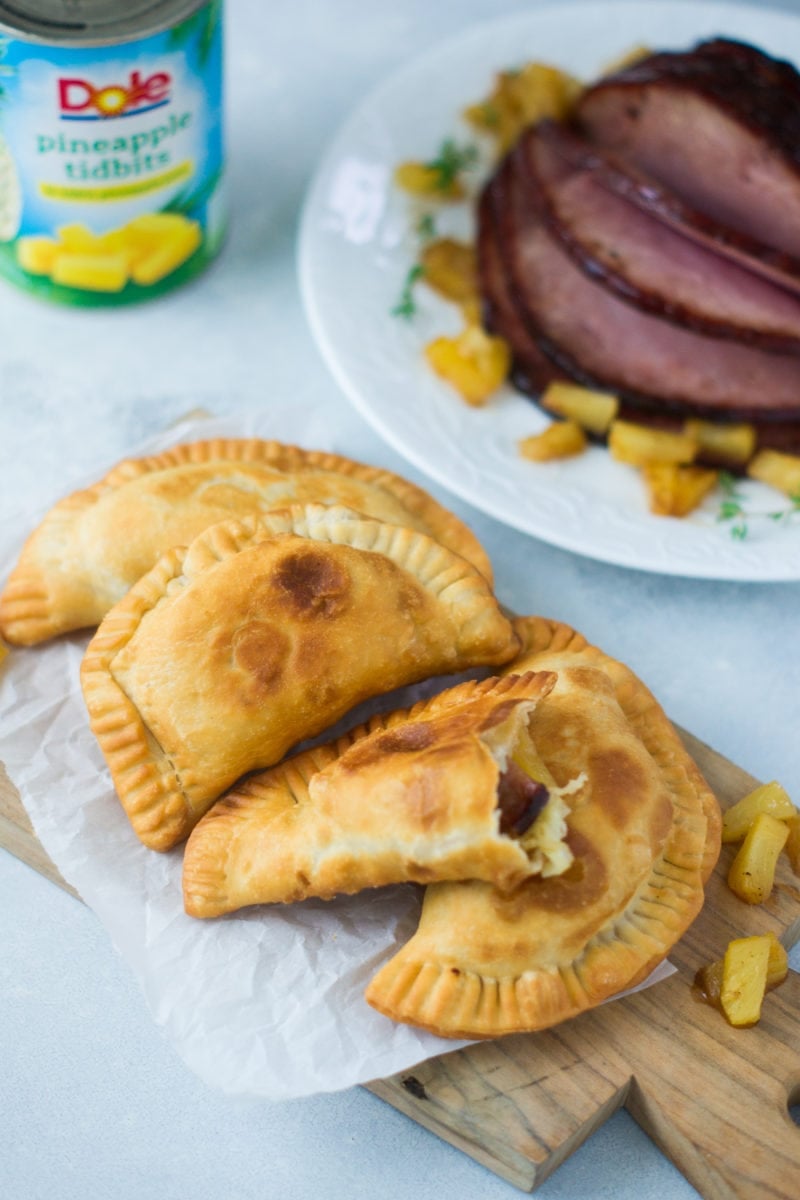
(647,193)
(719,126)
(531,369)
(595,337)
(648,263)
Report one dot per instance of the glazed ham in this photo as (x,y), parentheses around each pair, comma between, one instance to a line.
(603,259)
(531,369)
(539,360)
(646,192)
(653,266)
(592,333)
(720,126)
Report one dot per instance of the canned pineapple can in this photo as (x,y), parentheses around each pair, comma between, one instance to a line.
(111,146)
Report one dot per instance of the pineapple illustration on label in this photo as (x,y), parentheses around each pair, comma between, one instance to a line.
(111,152)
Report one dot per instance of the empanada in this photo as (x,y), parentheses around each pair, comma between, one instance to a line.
(547,645)
(93,545)
(263,633)
(440,792)
(483,963)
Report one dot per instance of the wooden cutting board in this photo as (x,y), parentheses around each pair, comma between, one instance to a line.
(715,1099)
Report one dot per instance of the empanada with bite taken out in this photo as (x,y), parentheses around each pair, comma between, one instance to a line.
(484,963)
(447,790)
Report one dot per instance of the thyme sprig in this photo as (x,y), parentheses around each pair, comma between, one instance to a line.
(426,227)
(451,160)
(732,508)
(406,305)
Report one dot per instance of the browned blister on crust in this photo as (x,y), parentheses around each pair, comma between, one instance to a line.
(263,633)
(484,963)
(96,543)
(414,800)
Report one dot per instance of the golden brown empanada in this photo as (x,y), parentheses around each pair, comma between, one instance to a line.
(93,545)
(547,645)
(263,633)
(440,792)
(485,963)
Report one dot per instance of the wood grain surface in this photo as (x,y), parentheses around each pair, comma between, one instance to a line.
(715,1099)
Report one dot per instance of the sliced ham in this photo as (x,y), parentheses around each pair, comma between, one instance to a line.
(648,263)
(532,371)
(719,126)
(533,368)
(647,193)
(593,336)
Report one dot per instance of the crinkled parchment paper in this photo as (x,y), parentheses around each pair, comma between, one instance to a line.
(268,1002)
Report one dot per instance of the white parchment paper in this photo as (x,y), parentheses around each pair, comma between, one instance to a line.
(267,1002)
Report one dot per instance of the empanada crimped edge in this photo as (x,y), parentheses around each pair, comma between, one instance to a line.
(162,802)
(429,986)
(37,604)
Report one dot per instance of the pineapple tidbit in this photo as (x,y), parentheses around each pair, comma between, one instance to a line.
(143,251)
(473,362)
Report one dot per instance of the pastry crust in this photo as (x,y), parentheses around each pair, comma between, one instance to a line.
(262,633)
(94,545)
(413,801)
(549,645)
(483,963)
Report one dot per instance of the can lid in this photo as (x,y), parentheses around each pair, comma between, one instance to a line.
(87,22)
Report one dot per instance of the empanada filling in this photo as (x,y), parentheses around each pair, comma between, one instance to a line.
(532,807)
(520,800)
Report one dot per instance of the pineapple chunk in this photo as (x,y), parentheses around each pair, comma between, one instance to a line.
(626,59)
(744,979)
(777,963)
(450,269)
(709,978)
(472,311)
(675,491)
(752,872)
(542,91)
(37,254)
(176,242)
(593,410)
(639,445)
(793,843)
(473,362)
(76,237)
(95,272)
(518,98)
(146,249)
(562,439)
(781,471)
(730,445)
(769,798)
(422,179)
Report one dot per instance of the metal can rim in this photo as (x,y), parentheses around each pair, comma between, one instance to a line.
(159,17)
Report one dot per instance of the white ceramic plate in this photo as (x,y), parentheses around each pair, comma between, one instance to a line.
(358,241)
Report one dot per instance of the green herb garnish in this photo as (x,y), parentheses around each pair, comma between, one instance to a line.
(426,227)
(406,306)
(451,160)
(732,508)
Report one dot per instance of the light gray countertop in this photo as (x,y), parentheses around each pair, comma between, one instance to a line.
(94,1103)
